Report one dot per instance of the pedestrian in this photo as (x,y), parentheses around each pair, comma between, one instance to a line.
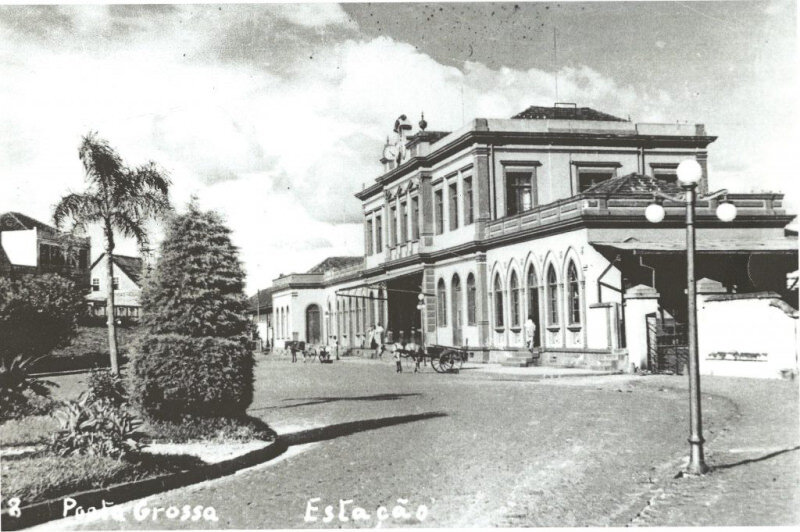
(293,349)
(377,340)
(398,361)
(530,332)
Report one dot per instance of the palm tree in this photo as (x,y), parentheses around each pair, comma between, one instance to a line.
(120,200)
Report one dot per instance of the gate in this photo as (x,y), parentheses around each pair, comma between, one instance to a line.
(667,345)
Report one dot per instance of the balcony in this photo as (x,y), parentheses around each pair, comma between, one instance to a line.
(632,206)
(402,251)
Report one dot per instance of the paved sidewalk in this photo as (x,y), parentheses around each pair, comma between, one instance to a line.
(755,460)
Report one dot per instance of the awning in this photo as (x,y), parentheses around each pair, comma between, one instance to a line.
(783,246)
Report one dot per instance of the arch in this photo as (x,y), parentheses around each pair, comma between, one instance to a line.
(471,297)
(313,324)
(455,296)
(532,301)
(497,299)
(441,303)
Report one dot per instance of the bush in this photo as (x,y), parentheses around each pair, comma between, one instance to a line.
(18,390)
(105,385)
(95,428)
(194,357)
(37,314)
(192,428)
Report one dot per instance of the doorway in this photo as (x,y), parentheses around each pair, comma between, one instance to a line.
(456,305)
(313,332)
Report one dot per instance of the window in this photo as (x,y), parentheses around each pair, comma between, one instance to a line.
(533,294)
(381,308)
(573,294)
(552,295)
(441,303)
(514,294)
(403,223)
(519,192)
(115,283)
(498,302)
(95,285)
(438,207)
(83,259)
(469,217)
(471,300)
(667,172)
(453,205)
(393,226)
(456,301)
(378,234)
(592,176)
(415,218)
(369,237)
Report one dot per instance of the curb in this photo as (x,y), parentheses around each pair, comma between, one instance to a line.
(42,512)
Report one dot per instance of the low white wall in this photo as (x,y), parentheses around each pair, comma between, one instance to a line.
(746,337)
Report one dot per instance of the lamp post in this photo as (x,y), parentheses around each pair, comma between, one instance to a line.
(421,308)
(689,174)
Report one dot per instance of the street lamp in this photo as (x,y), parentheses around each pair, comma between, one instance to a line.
(421,308)
(689,174)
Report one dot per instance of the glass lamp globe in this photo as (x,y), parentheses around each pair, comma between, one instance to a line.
(726,211)
(689,172)
(421,297)
(654,213)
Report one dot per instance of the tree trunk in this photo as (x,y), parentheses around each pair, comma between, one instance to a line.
(112,327)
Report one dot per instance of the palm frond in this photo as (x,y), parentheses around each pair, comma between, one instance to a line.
(130,226)
(101,162)
(149,177)
(81,208)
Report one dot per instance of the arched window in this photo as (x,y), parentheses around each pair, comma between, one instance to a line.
(328,318)
(471,300)
(552,296)
(381,301)
(573,294)
(441,303)
(498,302)
(516,300)
(456,301)
(338,319)
(313,333)
(533,294)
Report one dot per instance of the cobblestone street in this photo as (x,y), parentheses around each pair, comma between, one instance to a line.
(480,451)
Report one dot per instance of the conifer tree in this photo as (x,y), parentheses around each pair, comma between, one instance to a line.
(194,356)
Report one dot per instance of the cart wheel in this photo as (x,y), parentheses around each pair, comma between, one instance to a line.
(447,361)
(436,364)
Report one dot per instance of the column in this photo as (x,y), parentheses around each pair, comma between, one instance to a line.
(425,211)
(482,300)
(481,188)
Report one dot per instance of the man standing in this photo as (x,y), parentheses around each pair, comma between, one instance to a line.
(378,339)
(530,332)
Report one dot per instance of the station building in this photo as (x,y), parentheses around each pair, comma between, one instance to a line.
(538,215)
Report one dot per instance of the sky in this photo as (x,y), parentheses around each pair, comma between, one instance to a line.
(276,114)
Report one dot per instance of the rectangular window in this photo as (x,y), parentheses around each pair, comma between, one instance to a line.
(403,223)
(468,202)
(415,218)
(590,177)
(95,285)
(453,205)
(393,226)
(83,259)
(438,207)
(378,234)
(667,172)
(369,237)
(519,192)
(115,283)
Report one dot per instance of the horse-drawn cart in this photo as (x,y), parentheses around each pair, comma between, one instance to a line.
(443,358)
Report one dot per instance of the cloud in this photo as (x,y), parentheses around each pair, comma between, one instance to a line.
(275,115)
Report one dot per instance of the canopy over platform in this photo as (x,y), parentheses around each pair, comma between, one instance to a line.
(720,247)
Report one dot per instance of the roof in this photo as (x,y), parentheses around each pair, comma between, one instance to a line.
(262,299)
(634,184)
(131,266)
(744,246)
(336,263)
(536,112)
(16,221)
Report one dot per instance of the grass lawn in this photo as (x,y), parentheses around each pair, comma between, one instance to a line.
(88,349)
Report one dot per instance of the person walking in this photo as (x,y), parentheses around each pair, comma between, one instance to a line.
(398,361)
(530,332)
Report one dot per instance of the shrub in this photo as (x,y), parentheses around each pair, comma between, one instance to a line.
(194,357)
(18,390)
(105,385)
(37,314)
(192,428)
(95,428)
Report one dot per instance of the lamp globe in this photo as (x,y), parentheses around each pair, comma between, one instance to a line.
(654,213)
(689,172)
(726,211)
